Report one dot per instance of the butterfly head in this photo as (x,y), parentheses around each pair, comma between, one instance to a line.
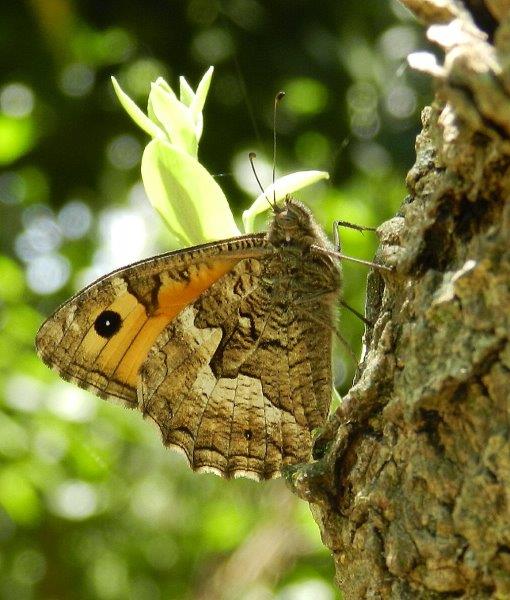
(293,224)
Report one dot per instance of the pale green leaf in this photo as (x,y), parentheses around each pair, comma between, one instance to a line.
(175,118)
(186,93)
(198,102)
(153,117)
(336,400)
(163,84)
(138,116)
(199,126)
(282,187)
(202,91)
(187,197)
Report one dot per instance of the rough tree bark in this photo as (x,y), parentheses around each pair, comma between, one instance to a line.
(412,490)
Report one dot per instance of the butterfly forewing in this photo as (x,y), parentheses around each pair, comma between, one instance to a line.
(100,338)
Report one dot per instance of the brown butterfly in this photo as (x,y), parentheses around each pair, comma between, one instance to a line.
(226,345)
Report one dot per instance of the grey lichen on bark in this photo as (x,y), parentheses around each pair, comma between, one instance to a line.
(411,488)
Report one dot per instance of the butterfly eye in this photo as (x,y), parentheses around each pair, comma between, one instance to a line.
(287,218)
(108,323)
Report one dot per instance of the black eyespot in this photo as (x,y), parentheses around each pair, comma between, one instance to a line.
(107,323)
(248,434)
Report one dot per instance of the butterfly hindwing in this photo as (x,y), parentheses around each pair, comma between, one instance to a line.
(239,379)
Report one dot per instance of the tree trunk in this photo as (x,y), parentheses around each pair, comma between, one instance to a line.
(412,490)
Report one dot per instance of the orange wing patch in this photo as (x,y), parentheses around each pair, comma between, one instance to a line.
(173,295)
(121,356)
(138,348)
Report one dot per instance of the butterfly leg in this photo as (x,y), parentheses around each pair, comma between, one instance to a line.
(336,237)
(338,247)
(336,232)
(337,253)
(356,313)
(347,346)
(312,297)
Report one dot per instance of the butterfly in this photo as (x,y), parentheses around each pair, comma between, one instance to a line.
(226,346)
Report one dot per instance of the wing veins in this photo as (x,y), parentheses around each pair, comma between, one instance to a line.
(232,422)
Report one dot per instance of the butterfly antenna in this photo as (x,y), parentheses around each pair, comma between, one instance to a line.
(279,96)
(252,156)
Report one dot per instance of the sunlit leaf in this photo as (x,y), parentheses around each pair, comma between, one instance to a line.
(175,118)
(282,187)
(187,197)
(186,93)
(199,99)
(138,116)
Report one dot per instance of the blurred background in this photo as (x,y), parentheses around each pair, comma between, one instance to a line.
(91,504)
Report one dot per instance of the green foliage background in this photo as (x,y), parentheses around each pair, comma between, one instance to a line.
(91,504)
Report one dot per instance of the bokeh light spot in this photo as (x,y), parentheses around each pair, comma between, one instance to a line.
(212,46)
(42,236)
(118,44)
(124,152)
(398,41)
(124,235)
(76,80)
(365,125)
(401,101)
(12,188)
(71,403)
(248,14)
(29,566)
(18,497)
(358,58)
(362,96)
(74,500)
(50,445)
(305,96)
(110,577)
(371,158)
(16,100)
(23,393)
(138,76)
(150,501)
(48,273)
(17,137)
(75,219)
